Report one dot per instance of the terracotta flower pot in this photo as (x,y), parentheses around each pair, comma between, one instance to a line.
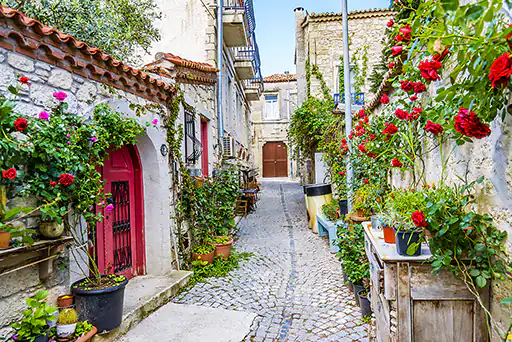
(87,337)
(5,240)
(223,250)
(389,235)
(51,230)
(65,301)
(204,257)
(359,213)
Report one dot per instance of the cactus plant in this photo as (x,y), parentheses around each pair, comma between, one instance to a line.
(67,316)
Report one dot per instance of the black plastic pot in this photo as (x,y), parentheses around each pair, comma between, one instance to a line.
(102,308)
(357,289)
(314,190)
(364,304)
(343,206)
(404,240)
(345,278)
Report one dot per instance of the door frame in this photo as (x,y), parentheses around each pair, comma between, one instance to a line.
(204,142)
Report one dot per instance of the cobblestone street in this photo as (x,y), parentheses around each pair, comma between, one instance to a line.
(292,282)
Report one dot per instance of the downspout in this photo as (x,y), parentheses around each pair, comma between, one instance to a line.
(348,100)
(220,75)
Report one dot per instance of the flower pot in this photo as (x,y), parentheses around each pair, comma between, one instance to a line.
(364,304)
(51,230)
(350,286)
(5,240)
(375,222)
(404,240)
(204,257)
(359,213)
(88,337)
(357,289)
(343,206)
(102,308)
(65,301)
(345,278)
(65,330)
(223,249)
(389,235)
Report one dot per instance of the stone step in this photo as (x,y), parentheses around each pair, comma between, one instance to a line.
(144,295)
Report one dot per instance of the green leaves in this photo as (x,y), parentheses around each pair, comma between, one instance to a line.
(450,5)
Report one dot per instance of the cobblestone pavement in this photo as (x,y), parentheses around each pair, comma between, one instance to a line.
(293,283)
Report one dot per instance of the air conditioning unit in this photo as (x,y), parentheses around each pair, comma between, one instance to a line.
(228,147)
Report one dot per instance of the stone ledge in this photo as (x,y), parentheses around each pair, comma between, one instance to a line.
(143,296)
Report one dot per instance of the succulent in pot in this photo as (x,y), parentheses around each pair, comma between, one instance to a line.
(66,322)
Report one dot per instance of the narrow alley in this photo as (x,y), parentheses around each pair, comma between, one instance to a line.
(292,283)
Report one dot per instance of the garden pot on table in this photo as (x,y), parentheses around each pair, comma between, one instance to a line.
(223,250)
(404,239)
(102,308)
(389,234)
(364,303)
(375,222)
(51,230)
(5,240)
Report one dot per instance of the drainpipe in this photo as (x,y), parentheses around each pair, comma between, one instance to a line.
(220,75)
(348,100)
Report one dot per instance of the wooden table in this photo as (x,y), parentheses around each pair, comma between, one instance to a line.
(412,304)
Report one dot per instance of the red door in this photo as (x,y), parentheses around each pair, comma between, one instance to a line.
(120,236)
(204,143)
(275,160)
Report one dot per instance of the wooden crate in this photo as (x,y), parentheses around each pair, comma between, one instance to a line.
(413,305)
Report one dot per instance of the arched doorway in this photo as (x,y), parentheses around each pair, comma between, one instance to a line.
(120,236)
(275,160)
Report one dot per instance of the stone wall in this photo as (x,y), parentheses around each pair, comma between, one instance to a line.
(83,95)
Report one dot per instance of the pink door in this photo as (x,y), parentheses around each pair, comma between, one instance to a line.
(204,143)
(120,237)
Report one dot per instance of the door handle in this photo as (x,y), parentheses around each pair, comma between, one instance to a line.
(275,162)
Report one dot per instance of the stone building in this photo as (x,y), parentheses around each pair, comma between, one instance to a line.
(189,29)
(271,116)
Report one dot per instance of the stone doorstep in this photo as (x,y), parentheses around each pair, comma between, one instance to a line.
(144,295)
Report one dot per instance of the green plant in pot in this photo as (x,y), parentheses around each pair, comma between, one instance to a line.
(66,322)
(33,326)
(406,209)
(331,210)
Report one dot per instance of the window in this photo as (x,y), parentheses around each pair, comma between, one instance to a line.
(271,107)
(193,148)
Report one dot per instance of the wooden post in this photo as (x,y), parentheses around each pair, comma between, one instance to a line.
(404,303)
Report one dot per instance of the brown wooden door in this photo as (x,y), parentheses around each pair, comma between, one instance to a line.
(275,160)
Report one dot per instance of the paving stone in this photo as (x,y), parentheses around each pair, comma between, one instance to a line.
(292,281)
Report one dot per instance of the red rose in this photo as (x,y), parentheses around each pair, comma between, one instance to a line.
(20,124)
(396,50)
(406,86)
(362,148)
(390,23)
(390,129)
(341,173)
(10,173)
(361,113)
(391,65)
(419,87)
(366,119)
(66,179)
(500,71)
(53,184)
(399,38)
(414,98)
(415,114)
(468,124)
(419,219)
(433,127)
(372,137)
(406,32)
(366,181)
(439,57)
(372,155)
(24,80)
(384,99)
(396,163)
(401,114)
(428,70)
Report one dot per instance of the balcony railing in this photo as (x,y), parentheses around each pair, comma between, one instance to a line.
(249,53)
(357,99)
(247,5)
(255,83)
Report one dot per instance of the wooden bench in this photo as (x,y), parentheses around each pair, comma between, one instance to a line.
(330,229)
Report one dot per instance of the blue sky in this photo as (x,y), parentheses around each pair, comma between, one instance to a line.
(275,27)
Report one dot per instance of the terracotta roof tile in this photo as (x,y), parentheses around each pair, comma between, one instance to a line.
(28,36)
(188,63)
(332,16)
(276,78)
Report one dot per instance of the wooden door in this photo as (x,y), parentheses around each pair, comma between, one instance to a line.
(275,160)
(120,236)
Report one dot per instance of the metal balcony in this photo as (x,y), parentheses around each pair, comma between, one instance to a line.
(253,88)
(247,60)
(239,22)
(357,99)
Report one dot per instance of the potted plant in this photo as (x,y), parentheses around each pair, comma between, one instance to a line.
(406,209)
(223,245)
(66,322)
(33,326)
(364,302)
(389,233)
(51,225)
(204,252)
(65,301)
(331,211)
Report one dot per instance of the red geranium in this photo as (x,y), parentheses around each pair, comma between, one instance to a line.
(406,86)
(24,80)
(396,50)
(414,98)
(390,23)
(428,70)
(390,129)
(433,127)
(501,70)
(415,114)
(66,179)
(10,173)
(362,148)
(53,184)
(419,87)
(468,124)
(384,99)
(20,124)
(419,219)
(391,65)
(401,114)
(396,163)
(366,181)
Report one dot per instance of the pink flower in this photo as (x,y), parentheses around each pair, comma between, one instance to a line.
(68,135)
(396,50)
(69,142)
(155,122)
(44,115)
(60,95)
(109,207)
(94,139)
(433,127)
